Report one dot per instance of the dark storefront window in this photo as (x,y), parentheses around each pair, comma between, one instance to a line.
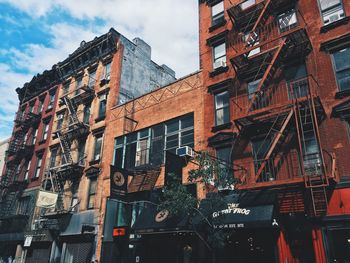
(338,244)
(147,146)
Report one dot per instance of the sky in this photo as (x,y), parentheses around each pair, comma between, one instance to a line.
(36,34)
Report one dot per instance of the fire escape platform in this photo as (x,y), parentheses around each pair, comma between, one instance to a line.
(69,171)
(272,184)
(28,119)
(74,131)
(85,96)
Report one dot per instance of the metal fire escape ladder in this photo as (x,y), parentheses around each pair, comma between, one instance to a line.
(65,146)
(275,141)
(57,186)
(269,73)
(253,36)
(71,109)
(315,179)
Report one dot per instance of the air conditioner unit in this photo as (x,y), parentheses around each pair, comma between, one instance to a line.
(334,16)
(185,151)
(219,64)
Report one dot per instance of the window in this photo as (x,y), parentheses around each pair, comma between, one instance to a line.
(39,159)
(86,114)
(147,146)
(41,105)
(45,131)
(107,71)
(222,108)
(312,158)
(78,84)
(217,13)
(102,106)
(75,200)
(23,206)
(337,241)
(219,56)
(136,211)
(252,86)
(35,134)
(65,88)
(341,63)
(98,147)
(178,133)
(224,157)
(92,79)
(53,157)
(60,118)
(92,192)
(142,148)
(331,11)
(81,152)
(296,78)
(31,108)
(51,101)
(254,40)
(287,20)
(247,4)
(26,171)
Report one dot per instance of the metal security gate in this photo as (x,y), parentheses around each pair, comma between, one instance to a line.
(38,253)
(78,252)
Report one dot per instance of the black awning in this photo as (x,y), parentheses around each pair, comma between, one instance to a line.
(152,221)
(239,211)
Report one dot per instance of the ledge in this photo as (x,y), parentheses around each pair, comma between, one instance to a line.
(101,118)
(221,127)
(218,24)
(342,94)
(335,24)
(218,71)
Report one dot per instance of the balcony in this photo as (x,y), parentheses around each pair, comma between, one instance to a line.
(273,98)
(73,129)
(28,119)
(82,95)
(254,52)
(20,150)
(284,169)
(245,13)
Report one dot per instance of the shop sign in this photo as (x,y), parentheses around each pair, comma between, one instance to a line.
(119,181)
(46,199)
(232,208)
(28,241)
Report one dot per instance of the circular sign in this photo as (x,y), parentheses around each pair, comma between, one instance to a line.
(162,215)
(118,179)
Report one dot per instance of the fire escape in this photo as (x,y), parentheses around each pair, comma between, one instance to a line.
(69,169)
(286,112)
(11,184)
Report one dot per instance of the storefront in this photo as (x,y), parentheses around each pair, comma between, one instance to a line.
(78,241)
(159,237)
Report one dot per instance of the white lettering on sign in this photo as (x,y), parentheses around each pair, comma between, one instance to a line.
(232,209)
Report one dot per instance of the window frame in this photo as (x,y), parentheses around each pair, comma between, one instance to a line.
(102,106)
(98,136)
(45,131)
(91,193)
(224,107)
(341,70)
(218,17)
(38,165)
(219,58)
(331,11)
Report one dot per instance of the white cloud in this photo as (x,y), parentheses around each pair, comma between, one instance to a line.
(171,29)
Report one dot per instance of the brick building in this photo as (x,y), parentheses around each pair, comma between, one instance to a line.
(25,159)
(277,74)
(62,116)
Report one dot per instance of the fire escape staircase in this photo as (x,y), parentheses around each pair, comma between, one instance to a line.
(279,128)
(268,74)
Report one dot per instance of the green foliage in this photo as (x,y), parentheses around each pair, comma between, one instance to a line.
(176,198)
(212,172)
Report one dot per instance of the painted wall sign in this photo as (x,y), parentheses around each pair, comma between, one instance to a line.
(46,199)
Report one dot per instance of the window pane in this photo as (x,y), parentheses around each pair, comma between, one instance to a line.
(217,9)
(219,51)
(342,59)
(221,100)
(325,4)
(187,122)
(187,138)
(344,79)
(247,4)
(172,141)
(172,126)
(118,157)
(222,116)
